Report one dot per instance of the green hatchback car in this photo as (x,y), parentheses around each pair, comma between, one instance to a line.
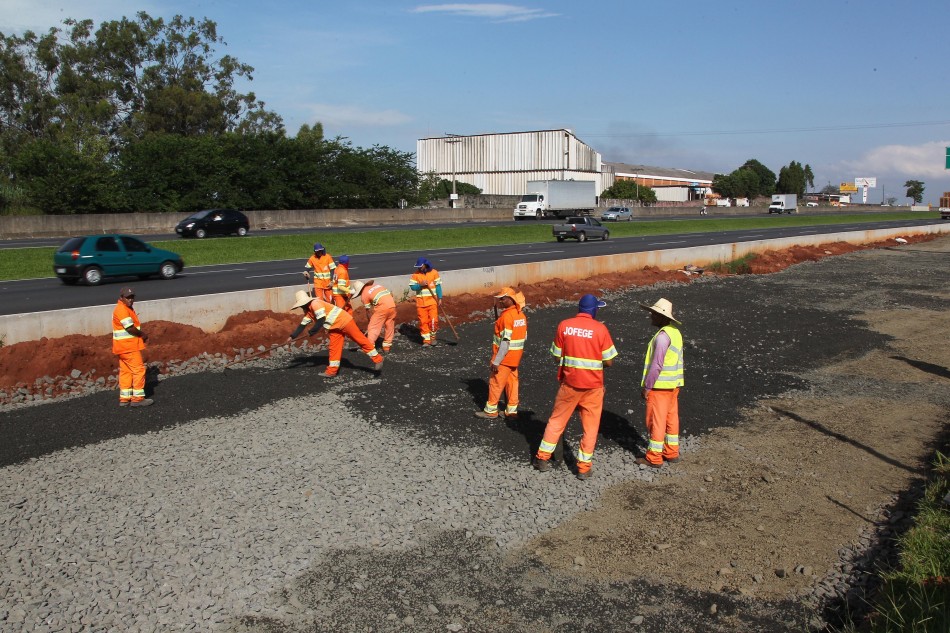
(95,257)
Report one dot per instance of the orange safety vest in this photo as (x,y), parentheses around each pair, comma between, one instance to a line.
(425,296)
(342,286)
(511,325)
(335,317)
(582,344)
(322,270)
(122,342)
(378,297)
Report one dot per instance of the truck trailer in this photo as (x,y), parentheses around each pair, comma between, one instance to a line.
(784,203)
(559,198)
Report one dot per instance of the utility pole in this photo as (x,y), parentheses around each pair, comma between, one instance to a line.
(452,140)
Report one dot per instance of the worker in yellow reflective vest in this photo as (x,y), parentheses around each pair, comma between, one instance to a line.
(660,386)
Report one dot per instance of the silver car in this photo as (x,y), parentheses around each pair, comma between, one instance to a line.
(615,214)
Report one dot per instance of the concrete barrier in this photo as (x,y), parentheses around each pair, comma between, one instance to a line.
(210,312)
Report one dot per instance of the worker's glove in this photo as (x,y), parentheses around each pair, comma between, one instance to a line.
(305,274)
(296,332)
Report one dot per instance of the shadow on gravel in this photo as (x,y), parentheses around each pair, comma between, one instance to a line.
(930,368)
(478,589)
(844,438)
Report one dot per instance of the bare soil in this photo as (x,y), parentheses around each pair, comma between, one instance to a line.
(807,440)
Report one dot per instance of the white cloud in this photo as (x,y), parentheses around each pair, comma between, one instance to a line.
(339,115)
(927,160)
(493,12)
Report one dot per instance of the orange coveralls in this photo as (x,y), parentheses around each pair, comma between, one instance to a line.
(383,316)
(339,326)
(322,268)
(427,305)
(581,344)
(129,350)
(511,326)
(341,288)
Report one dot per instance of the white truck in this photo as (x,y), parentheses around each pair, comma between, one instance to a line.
(559,198)
(783,203)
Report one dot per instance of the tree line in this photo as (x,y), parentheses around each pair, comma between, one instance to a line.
(144,115)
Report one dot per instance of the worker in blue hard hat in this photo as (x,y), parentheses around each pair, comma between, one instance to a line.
(427,285)
(322,267)
(341,284)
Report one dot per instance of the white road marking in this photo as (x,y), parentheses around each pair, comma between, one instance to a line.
(273,275)
(532,253)
(210,272)
(665,243)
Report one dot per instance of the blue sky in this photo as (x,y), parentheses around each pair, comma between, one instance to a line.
(855,89)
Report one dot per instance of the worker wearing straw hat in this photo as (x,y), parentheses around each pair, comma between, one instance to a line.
(660,386)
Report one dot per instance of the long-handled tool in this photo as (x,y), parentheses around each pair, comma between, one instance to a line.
(444,313)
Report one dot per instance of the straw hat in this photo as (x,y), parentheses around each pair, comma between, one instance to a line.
(663,307)
(359,284)
(301,299)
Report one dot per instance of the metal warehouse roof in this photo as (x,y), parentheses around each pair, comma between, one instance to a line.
(648,171)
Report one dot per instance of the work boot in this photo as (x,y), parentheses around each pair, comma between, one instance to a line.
(643,462)
(123,403)
(486,416)
(327,374)
(672,460)
(541,465)
(583,476)
(378,366)
(511,416)
(145,402)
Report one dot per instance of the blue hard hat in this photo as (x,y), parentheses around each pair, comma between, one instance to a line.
(343,259)
(589,304)
(422,261)
(318,247)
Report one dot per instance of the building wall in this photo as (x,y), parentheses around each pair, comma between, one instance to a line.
(503,163)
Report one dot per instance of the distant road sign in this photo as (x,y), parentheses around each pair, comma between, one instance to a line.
(865,182)
(948,158)
(847,187)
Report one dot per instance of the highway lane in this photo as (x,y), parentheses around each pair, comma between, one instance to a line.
(50,294)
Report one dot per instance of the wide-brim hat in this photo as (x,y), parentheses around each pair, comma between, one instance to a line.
(358,286)
(515,296)
(663,307)
(301,299)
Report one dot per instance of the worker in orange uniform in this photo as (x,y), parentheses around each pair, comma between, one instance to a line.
(427,285)
(583,348)
(339,326)
(341,284)
(321,265)
(511,331)
(660,386)
(382,306)
(128,341)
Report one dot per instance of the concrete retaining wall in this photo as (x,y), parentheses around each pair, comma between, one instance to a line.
(210,312)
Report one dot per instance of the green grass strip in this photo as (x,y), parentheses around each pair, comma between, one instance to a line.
(35,263)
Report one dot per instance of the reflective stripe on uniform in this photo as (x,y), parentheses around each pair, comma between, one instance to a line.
(118,335)
(673,440)
(584,457)
(583,363)
(546,447)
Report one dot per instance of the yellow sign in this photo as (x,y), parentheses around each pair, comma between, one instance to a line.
(848,187)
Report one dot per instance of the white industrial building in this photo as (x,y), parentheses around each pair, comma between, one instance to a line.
(502,164)
(670,185)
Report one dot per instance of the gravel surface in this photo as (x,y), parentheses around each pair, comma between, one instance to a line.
(264,499)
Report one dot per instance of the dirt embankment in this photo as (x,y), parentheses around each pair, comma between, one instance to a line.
(50,368)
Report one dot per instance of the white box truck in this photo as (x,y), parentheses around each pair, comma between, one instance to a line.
(559,198)
(784,203)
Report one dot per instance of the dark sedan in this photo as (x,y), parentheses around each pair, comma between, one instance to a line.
(214,222)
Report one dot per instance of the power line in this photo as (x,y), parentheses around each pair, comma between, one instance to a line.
(829,128)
